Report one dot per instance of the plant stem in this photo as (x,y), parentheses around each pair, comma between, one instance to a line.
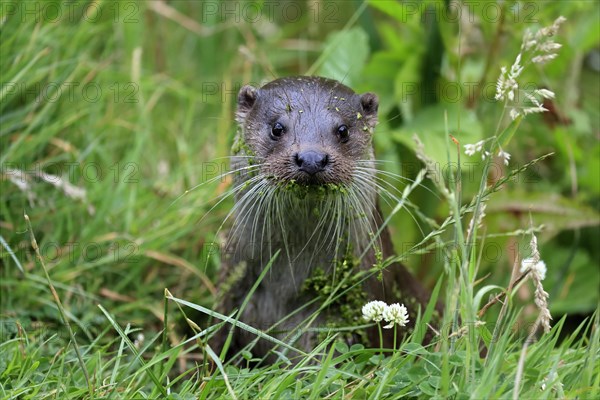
(380,338)
(60,307)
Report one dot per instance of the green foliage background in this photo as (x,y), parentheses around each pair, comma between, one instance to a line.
(132,103)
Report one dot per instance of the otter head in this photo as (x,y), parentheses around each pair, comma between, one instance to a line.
(307,130)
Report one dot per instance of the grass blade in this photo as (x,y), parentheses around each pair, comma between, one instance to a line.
(133,350)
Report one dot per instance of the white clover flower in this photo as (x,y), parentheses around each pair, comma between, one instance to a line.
(373,310)
(538,268)
(504,156)
(395,314)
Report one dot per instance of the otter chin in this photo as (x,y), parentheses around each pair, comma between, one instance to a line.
(306,205)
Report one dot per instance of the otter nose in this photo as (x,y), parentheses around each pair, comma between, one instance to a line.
(311,161)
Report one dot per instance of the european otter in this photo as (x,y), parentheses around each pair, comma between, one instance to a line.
(305,187)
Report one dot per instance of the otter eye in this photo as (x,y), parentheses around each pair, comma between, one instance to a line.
(277,130)
(343,132)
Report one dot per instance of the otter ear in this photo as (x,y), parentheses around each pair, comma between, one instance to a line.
(246,99)
(370,104)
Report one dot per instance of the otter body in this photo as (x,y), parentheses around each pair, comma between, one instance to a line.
(306,200)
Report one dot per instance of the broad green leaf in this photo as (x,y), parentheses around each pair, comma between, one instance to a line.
(506,135)
(401,12)
(429,125)
(344,56)
(554,211)
(572,283)
(407,85)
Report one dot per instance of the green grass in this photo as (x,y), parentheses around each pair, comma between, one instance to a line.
(90,317)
